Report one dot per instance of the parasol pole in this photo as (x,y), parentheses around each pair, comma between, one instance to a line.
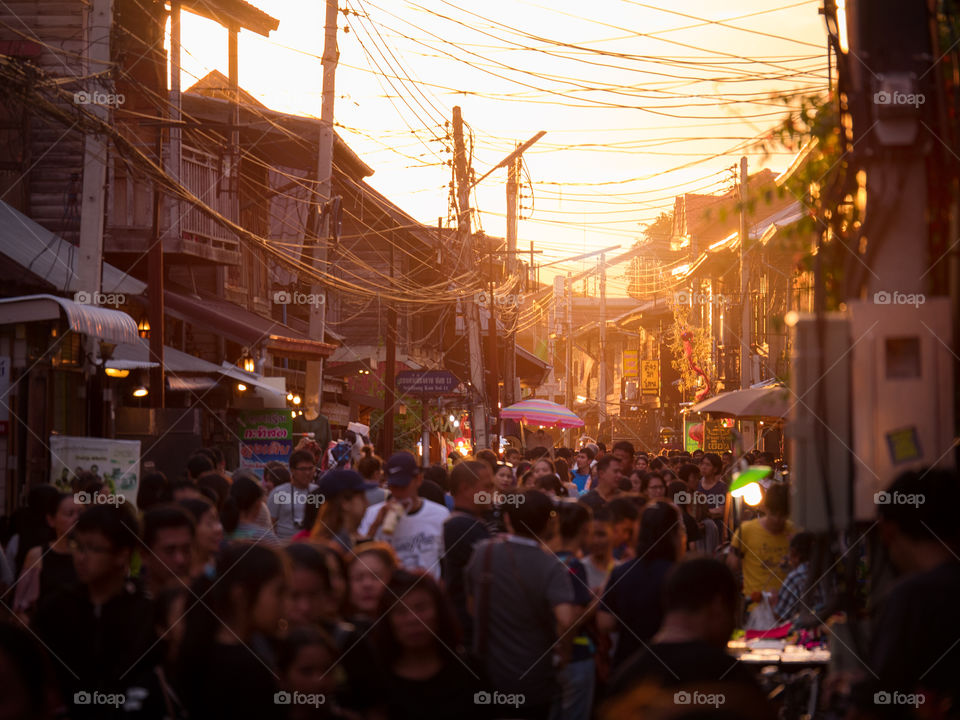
(523,437)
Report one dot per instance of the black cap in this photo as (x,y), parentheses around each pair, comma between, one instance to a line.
(337,481)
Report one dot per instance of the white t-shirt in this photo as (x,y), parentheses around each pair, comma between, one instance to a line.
(417,539)
(288,509)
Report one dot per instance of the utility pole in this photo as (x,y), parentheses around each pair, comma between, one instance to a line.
(90,265)
(745,360)
(478,410)
(155,290)
(602,384)
(568,361)
(318,310)
(390,381)
(513,196)
(174,149)
(494,351)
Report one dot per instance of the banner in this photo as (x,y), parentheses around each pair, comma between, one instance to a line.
(630,363)
(650,377)
(265,436)
(116,462)
(717,437)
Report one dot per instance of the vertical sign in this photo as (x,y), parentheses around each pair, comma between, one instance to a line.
(650,377)
(630,363)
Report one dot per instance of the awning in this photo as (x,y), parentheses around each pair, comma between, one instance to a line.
(771,401)
(53,259)
(111,325)
(178,364)
(242,326)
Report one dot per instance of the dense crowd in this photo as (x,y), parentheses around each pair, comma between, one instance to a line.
(552,584)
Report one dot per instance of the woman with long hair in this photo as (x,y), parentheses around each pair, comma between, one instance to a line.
(241,610)
(425,672)
(209,535)
(631,599)
(243,510)
(342,503)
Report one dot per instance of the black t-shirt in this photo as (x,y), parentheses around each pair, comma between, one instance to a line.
(236,684)
(685,663)
(461,532)
(97,648)
(691,527)
(448,694)
(593,500)
(632,596)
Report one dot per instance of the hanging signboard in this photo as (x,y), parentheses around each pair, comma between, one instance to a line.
(630,363)
(717,437)
(650,377)
(265,436)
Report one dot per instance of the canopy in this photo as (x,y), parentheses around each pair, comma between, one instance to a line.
(772,401)
(541,412)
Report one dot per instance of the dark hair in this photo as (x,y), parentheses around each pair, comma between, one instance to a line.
(603,514)
(548,461)
(714,460)
(777,499)
(550,483)
(369,464)
(693,584)
(531,514)
(154,489)
(429,490)
(934,516)
(87,482)
(116,523)
(55,502)
(217,455)
(164,517)
(31,522)
(301,456)
(465,474)
(180,484)
(601,446)
(655,464)
(564,453)
(276,472)
(801,545)
(198,464)
(604,462)
(522,467)
(563,470)
(686,470)
(573,516)
(197,507)
(245,493)
(247,566)
(658,524)
(624,445)
(488,456)
(622,508)
(403,582)
(588,451)
(439,475)
(311,558)
(289,647)
(650,476)
(216,482)
(674,489)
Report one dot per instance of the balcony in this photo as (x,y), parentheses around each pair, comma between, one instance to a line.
(130,212)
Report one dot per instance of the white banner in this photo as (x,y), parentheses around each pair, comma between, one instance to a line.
(116,462)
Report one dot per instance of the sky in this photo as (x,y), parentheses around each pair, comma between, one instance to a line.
(640,101)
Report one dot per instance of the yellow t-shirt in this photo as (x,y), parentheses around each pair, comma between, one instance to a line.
(764,562)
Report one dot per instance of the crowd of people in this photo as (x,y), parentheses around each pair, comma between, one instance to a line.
(552,584)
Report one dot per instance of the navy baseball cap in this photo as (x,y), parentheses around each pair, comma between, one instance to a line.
(401,469)
(338,481)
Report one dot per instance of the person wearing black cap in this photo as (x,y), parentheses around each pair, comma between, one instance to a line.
(412,525)
(343,493)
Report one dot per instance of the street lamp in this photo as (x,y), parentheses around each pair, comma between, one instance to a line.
(746,484)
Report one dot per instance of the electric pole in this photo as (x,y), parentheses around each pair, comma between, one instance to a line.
(568,360)
(478,410)
(745,359)
(602,365)
(510,368)
(313,395)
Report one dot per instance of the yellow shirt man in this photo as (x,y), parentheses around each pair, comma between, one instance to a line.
(764,555)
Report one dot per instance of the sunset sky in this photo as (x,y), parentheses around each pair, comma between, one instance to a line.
(640,101)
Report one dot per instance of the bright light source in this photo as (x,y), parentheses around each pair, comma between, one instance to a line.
(241,387)
(791,318)
(751,493)
(289,397)
(452,418)
(293,413)
(296,400)
(140,392)
(115,373)
(249,364)
(456,423)
(842,26)
(681,269)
